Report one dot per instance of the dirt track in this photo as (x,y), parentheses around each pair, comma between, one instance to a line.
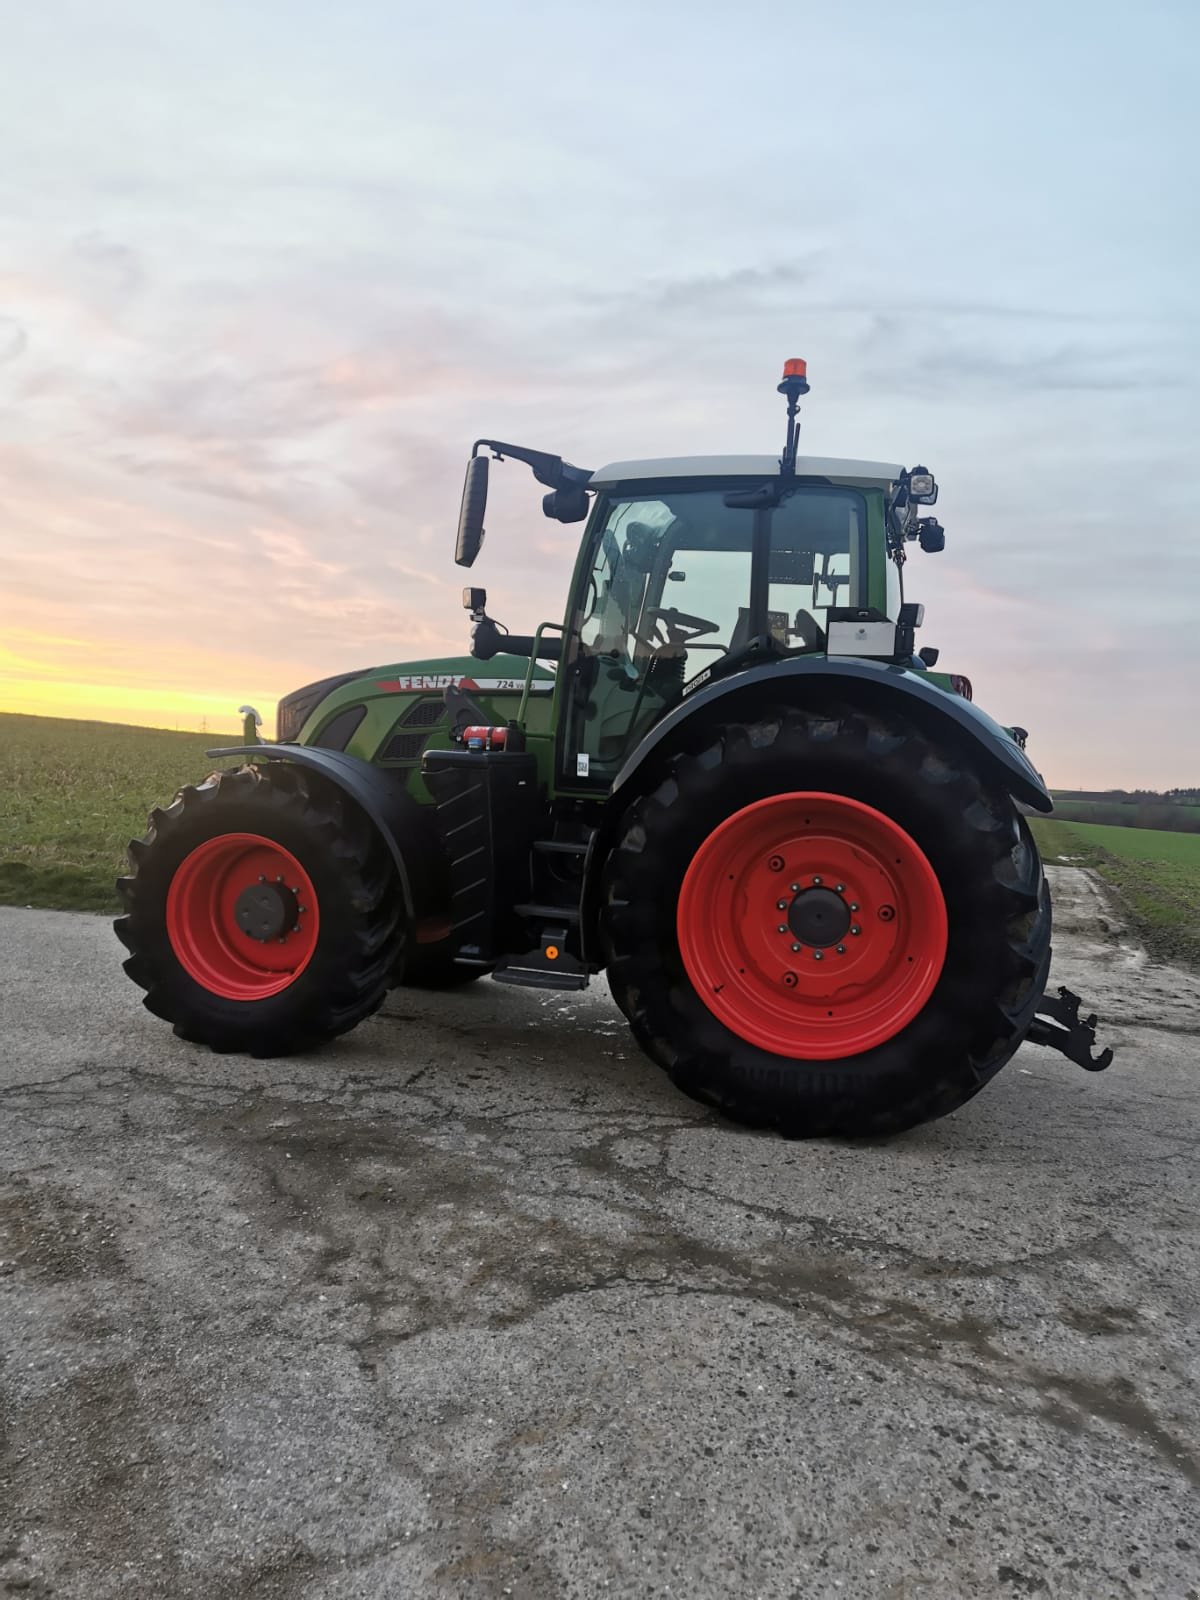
(475,1304)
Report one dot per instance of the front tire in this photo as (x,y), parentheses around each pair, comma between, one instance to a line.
(783,1017)
(263,913)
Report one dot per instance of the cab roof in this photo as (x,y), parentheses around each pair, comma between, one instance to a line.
(873,472)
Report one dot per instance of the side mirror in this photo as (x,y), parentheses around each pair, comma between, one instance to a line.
(470,515)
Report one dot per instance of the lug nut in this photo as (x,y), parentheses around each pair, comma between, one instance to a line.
(262,877)
(796,948)
(856,929)
(839,888)
(853,907)
(817,880)
(279,879)
(794,887)
(782,927)
(781,905)
(790,979)
(301,909)
(295,927)
(818,955)
(841,949)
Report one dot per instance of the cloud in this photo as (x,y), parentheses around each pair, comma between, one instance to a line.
(13,339)
(105,268)
(734,287)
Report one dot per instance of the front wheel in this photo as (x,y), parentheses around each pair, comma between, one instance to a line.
(823,921)
(263,913)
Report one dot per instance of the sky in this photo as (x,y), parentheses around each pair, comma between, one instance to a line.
(266,270)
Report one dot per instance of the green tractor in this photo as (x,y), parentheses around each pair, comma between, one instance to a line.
(728,779)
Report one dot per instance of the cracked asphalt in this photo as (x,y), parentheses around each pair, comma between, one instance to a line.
(474,1303)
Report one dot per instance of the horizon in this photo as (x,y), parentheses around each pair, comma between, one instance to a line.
(1063,789)
(253,315)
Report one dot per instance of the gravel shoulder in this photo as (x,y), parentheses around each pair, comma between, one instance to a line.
(474,1304)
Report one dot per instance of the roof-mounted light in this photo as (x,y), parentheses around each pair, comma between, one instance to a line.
(794,384)
(795,379)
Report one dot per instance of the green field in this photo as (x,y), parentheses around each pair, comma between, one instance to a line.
(1156,874)
(72,794)
(1148,811)
(1190,811)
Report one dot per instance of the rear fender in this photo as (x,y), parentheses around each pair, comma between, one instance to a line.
(871,684)
(382,799)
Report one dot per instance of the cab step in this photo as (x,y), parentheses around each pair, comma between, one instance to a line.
(549,913)
(550,966)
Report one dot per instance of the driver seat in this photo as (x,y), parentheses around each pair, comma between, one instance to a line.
(740,637)
(810,630)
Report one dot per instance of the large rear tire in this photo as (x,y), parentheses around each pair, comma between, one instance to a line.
(733,950)
(263,913)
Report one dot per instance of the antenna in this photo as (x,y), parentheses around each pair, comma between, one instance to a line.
(795,383)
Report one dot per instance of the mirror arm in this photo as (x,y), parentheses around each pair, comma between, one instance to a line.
(551,470)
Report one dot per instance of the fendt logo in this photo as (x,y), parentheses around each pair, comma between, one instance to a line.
(446,680)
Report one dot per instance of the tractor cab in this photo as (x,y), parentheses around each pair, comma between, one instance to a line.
(682,581)
(695,568)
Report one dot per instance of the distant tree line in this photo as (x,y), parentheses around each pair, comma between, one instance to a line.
(1172,810)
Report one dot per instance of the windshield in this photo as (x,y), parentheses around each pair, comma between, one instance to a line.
(668,594)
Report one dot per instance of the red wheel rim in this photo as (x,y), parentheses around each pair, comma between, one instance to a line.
(845,885)
(242,916)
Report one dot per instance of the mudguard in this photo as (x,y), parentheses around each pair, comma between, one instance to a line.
(379,795)
(873,681)
(868,683)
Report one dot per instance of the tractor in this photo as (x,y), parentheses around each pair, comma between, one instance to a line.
(728,779)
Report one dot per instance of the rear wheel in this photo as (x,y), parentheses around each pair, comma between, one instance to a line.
(824,922)
(263,913)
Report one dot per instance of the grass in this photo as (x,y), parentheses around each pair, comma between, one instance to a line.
(74,793)
(1156,874)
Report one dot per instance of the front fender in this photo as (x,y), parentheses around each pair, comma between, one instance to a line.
(380,796)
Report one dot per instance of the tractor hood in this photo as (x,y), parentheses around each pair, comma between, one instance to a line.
(501,673)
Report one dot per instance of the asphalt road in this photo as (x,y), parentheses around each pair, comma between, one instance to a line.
(475,1304)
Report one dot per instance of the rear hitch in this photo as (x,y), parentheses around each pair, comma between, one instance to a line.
(1058,1025)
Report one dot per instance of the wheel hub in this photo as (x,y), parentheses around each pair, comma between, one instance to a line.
(812,925)
(242,916)
(819,917)
(267,911)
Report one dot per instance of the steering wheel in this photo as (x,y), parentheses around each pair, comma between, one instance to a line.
(675,625)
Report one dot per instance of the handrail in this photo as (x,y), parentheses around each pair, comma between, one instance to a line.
(528,689)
